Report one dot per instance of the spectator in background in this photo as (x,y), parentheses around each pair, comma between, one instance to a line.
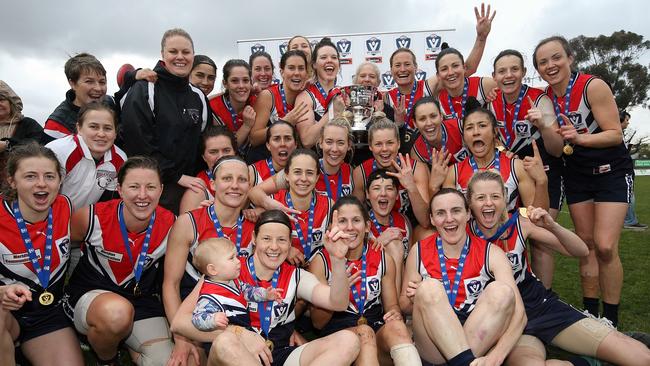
(15,129)
(631,222)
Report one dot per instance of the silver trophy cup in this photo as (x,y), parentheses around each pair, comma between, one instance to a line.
(362,100)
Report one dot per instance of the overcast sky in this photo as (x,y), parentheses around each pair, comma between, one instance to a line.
(38,36)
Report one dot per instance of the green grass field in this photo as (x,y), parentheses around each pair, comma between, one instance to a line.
(634,249)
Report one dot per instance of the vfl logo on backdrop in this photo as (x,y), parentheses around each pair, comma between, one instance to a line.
(373,50)
(403,42)
(387,80)
(257,47)
(283,47)
(344,47)
(432,46)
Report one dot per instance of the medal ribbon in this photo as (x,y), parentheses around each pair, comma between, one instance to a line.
(233,113)
(142,257)
(463,101)
(269,163)
(339,184)
(496,163)
(567,100)
(452,291)
(377,224)
(360,301)
(502,229)
(219,229)
(43,273)
(266,306)
(283,95)
(443,144)
(305,242)
(520,99)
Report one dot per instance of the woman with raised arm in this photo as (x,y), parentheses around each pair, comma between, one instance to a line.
(274,321)
(374,314)
(461,292)
(598,174)
(550,320)
(216,142)
(35,227)
(165,119)
(113,294)
(403,66)
(232,108)
(525,114)
(383,139)
(322,96)
(223,218)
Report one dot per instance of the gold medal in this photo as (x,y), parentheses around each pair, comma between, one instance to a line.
(501,148)
(567,149)
(362,321)
(46,298)
(136,290)
(523,212)
(269,344)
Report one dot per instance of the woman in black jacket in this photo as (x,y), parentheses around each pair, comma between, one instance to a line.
(165,119)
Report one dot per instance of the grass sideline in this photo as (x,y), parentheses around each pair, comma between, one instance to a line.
(634,249)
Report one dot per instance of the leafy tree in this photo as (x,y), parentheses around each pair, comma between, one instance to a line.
(615,59)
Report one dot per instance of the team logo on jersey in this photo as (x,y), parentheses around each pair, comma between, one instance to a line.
(387,80)
(316,236)
(473,287)
(280,309)
(403,42)
(346,190)
(577,122)
(252,307)
(106,179)
(420,75)
(432,46)
(111,256)
(404,198)
(522,129)
(374,286)
(64,246)
(257,47)
(461,155)
(514,261)
(344,47)
(193,114)
(283,47)
(373,50)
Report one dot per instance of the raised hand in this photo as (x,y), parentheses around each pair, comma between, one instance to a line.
(336,239)
(534,114)
(400,110)
(483,21)
(295,256)
(540,217)
(389,235)
(297,113)
(404,172)
(568,131)
(439,166)
(533,165)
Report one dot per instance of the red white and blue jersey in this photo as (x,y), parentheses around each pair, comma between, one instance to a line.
(105,263)
(475,89)
(421,90)
(476,272)
(283,312)
(322,210)
(209,191)
(402,202)
(262,171)
(222,115)
(513,244)
(319,103)
(454,144)
(227,298)
(588,160)
(204,229)
(15,264)
(464,173)
(85,179)
(332,181)
(375,270)
(399,221)
(278,109)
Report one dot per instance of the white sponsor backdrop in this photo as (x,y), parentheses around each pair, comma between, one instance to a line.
(357,48)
